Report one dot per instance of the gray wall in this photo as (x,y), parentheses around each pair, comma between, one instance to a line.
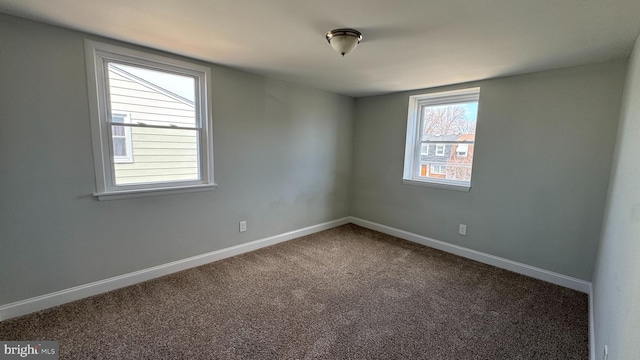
(282,162)
(543,149)
(616,279)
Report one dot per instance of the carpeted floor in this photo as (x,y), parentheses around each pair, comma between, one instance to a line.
(345,293)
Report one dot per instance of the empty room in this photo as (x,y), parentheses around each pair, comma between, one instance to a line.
(287,179)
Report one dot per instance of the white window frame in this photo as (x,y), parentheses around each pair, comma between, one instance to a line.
(127,138)
(98,55)
(440,149)
(411,173)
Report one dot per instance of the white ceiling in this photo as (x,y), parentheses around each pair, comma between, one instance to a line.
(408,44)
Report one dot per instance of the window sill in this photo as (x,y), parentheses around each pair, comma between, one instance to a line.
(127,194)
(453,187)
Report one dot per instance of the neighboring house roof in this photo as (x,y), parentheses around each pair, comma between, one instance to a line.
(449,138)
(150,85)
(466,137)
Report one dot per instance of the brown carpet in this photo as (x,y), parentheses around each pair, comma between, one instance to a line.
(345,293)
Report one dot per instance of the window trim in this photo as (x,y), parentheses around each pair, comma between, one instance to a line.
(97,56)
(413,143)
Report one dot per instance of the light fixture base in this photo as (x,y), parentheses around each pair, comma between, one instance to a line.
(344,40)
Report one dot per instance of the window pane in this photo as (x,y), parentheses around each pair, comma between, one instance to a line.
(451,129)
(160,155)
(438,169)
(424,149)
(152,97)
(445,122)
(119,147)
(462,149)
(117,131)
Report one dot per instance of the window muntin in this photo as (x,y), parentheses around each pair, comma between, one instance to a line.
(154,114)
(441,138)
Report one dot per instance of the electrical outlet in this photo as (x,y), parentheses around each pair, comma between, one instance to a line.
(463,229)
(243,225)
(605,356)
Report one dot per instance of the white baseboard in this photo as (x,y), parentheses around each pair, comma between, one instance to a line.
(592,329)
(46,301)
(534,272)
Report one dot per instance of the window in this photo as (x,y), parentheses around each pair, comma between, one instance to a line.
(121,137)
(446,120)
(438,169)
(462,150)
(151,123)
(425,149)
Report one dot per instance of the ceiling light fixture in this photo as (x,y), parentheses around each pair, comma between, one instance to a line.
(344,40)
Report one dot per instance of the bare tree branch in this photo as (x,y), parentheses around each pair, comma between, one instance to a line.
(446,120)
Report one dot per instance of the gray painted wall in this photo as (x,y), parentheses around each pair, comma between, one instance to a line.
(282,162)
(543,149)
(616,279)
